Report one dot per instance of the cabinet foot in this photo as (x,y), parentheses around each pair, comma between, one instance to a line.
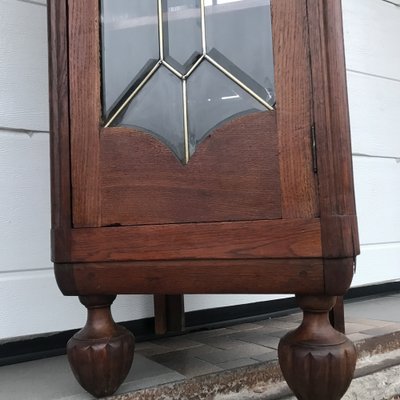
(100,354)
(317,361)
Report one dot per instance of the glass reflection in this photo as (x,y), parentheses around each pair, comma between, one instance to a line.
(180,68)
(158,109)
(181,33)
(239,38)
(129,47)
(213,99)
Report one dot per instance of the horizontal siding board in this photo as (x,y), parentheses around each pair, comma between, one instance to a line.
(24,201)
(23,66)
(35,305)
(372,31)
(195,302)
(374,115)
(377,264)
(377,184)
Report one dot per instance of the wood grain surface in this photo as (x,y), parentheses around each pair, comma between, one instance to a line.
(294,108)
(234,175)
(225,240)
(175,277)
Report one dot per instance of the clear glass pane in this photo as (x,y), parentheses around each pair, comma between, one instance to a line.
(158,109)
(130,46)
(239,37)
(214,99)
(182,33)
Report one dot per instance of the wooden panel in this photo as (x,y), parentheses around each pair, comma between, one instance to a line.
(234,175)
(59,126)
(229,240)
(233,276)
(338,222)
(294,108)
(84,64)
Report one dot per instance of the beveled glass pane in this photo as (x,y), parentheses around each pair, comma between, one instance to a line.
(239,38)
(158,109)
(181,33)
(214,99)
(129,47)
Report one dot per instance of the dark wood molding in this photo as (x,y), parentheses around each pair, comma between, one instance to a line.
(176,277)
(84,70)
(225,240)
(294,112)
(59,125)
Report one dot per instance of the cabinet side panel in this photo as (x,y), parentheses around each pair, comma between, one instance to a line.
(84,64)
(59,126)
(294,108)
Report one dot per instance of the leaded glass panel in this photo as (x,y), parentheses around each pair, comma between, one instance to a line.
(178,68)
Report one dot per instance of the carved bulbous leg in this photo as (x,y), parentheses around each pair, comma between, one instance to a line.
(100,354)
(317,361)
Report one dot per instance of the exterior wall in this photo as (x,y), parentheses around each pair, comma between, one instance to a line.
(30,302)
(372,29)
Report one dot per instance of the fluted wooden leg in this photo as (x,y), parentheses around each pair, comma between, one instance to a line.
(317,361)
(100,354)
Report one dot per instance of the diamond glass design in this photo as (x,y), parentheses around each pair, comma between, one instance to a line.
(178,68)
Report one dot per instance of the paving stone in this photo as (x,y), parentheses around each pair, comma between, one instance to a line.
(276,325)
(370,322)
(260,338)
(185,364)
(224,342)
(381,308)
(246,350)
(382,330)
(356,328)
(151,349)
(241,362)
(279,334)
(177,343)
(245,327)
(268,356)
(207,333)
(354,337)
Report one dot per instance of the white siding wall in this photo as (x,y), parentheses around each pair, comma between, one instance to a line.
(372,32)
(30,302)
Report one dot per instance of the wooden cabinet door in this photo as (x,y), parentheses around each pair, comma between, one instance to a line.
(249,189)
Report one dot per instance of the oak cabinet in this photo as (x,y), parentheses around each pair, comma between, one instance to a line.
(202,147)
